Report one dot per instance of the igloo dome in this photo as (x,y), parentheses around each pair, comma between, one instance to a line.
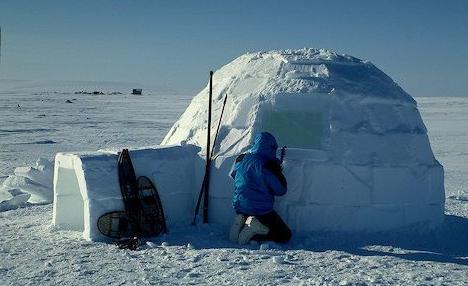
(358,155)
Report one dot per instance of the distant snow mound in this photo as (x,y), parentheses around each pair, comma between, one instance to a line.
(359,156)
(29,185)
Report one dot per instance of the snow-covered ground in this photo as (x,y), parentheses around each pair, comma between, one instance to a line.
(38,121)
(31,252)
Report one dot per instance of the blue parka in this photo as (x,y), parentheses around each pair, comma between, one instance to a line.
(257,177)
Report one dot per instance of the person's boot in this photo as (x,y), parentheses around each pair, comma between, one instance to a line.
(251,228)
(237,225)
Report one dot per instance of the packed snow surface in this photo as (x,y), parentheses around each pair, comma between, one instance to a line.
(33,253)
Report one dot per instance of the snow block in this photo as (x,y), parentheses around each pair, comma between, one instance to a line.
(316,217)
(221,211)
(393,185)
(331,184)
(395,149)
(221,184)
(86,185)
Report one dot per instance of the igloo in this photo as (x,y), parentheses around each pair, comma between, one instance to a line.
(358,155)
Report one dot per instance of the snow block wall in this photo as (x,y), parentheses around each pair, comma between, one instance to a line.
(86,185)
(359,157)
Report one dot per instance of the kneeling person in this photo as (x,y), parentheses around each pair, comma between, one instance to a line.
(258,178)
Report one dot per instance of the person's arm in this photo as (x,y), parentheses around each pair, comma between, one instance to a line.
(275,167)
(275,179)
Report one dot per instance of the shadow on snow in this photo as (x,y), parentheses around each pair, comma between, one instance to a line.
(447,244)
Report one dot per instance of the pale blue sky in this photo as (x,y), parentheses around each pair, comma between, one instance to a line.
(423,45)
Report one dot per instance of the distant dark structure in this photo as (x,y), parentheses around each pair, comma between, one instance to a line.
(137,91)
(96,93)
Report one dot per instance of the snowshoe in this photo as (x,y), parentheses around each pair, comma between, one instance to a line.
(151,215)
(129,188)
(115,225)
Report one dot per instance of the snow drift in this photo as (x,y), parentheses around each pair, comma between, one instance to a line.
(358,156)
(29,185)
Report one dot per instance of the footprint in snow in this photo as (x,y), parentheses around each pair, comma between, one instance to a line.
(281,260)
(243,263)
(459,198)
(192,275)
(343,256)
(278,259)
